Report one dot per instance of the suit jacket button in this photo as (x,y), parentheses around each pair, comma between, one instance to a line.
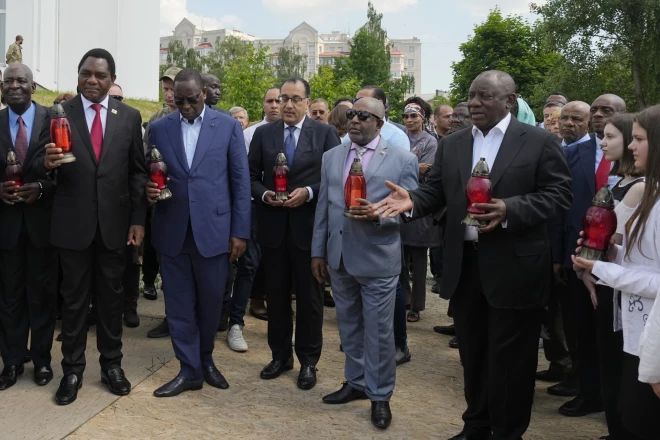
(189,180)
(98,176)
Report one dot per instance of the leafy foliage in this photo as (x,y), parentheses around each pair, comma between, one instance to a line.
(226,52)
(507,43)
(325,85)
(369,59)
(397,89)
(290,63)
(176,54)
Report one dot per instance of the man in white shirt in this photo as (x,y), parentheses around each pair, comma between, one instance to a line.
(271,114)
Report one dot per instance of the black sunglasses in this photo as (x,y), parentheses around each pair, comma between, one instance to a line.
(362,115)
(117,97)
(191,101)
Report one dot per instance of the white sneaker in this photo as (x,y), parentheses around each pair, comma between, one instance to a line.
(235,339)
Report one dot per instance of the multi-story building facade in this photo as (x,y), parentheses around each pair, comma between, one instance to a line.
(320,49)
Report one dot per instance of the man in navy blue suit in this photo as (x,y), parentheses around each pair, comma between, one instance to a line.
(201,228)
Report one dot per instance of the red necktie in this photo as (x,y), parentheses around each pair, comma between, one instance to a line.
(97,131)
(21,143)
(602,173)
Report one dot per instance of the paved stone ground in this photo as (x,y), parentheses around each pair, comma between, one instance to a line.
(427,402)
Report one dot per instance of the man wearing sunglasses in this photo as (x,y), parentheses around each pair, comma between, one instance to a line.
(201,228)
(284,229)
(364,255)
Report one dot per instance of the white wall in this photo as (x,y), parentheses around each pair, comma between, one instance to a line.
(58,33)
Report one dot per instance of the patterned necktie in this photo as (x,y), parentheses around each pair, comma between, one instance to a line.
(97,131)
(290,145)
(359,151)
(21,143)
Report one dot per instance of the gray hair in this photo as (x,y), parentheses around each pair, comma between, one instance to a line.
(237,109)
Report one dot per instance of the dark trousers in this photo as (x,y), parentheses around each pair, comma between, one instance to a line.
(244,276)
(149,256)
(99,269)
(131,280)
(584,320)
(27,302)
(639,405)
(610,359)
(195,285)
(400,330)
(499,351)
(416,257)
(285,267)
(555,347)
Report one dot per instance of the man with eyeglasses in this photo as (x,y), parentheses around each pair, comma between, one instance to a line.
(364,258)
(319,110)
(395,136)
(284,229)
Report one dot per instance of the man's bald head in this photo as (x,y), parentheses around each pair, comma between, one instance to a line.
(502,79)
(20,69)
(18,87)
(574,121)
(604,108)
(368,114)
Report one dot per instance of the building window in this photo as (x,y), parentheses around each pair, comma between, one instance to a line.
(188,41)
(206,40)
(411,63)
(411,48)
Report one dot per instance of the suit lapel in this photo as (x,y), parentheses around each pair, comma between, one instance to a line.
(344,156)
(513,140)
(206,134)
(76,114)
(464,153)
(304,143)
(587,154)
(376,160)
(279,136)
(5,135)
(39,115)
(176,138)
(111,121)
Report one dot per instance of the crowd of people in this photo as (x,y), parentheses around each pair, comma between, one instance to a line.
(75,237)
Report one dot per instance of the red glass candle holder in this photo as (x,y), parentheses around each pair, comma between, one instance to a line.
(355,187)
(13,172)
(60,133)
(158,174)
(599,225)
(479,190)
(281,177)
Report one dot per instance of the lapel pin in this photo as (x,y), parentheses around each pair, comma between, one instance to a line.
(212,125)
(113,111)
(382,152)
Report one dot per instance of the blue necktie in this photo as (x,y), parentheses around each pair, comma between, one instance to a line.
(290,145)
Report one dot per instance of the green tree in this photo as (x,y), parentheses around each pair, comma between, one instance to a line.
(397,89)
(502,43)
(578,29)
(176,54)
(225,53)
(246,79)
(290,63)
(194,60)
(369,59)
(325,85)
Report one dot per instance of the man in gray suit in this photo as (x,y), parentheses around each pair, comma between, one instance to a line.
(364,255)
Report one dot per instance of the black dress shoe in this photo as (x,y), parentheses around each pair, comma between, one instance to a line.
(453,343)
(275,368)
(346,394)
(59,337)
(43,375)
(463,436)
(162,330)
(328,300)
(435,288)
(131,319)
(579,407)
(116,380)
(381,416)
(177,386)
(224,321)
(9,375)
(550,375)
(565,388)
(27,359)
(150,293)
(258,310)
(307,377)
(214,377)
(447,330)
(68,389)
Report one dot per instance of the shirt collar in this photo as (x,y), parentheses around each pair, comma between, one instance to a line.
(13,117)
(584,138)
(370,146)
(199,118)
(87,103)
(502,126)
(298,125)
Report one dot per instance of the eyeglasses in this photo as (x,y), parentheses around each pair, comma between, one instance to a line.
(410,116)
(459,117)
(318,112)
(117,97)
(191,101)
(362,115)
(285,99)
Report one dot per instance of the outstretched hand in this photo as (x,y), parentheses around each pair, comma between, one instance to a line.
(396,203)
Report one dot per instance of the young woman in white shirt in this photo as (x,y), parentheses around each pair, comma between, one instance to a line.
(634,269)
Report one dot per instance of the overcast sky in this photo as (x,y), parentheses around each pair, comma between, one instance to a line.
(442,25)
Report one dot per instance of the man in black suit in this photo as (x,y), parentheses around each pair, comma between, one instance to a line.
(497,276)
(284,229)
(99,209)
(27,263)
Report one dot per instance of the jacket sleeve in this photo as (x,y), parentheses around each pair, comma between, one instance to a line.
(239,183)
(137,173)
(256,164)
(409,179)
(553,190)
(320,235)
(430,196)
(331,141)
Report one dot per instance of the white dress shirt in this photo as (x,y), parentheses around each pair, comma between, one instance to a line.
(248,133)
(487,147)
(296,134)
(90,113)
(190,133)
